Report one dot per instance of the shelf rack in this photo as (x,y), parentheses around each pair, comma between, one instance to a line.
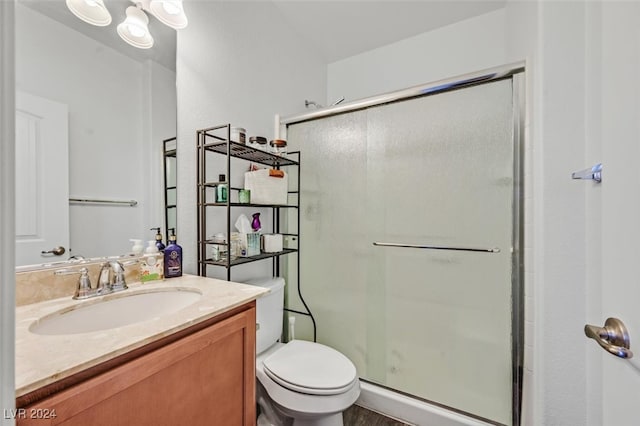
(170,155)
(218,140)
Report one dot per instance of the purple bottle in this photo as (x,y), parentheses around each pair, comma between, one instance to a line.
(255,224)
(172,257)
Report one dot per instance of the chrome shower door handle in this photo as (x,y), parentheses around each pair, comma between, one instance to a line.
(613,337)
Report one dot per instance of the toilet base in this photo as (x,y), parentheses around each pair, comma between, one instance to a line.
(332,420)
(272,414)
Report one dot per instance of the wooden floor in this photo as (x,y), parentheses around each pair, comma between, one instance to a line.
(358,416)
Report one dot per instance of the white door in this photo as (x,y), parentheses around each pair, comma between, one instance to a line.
(619,201)
(42,180)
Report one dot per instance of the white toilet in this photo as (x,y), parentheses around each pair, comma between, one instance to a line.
(300,383)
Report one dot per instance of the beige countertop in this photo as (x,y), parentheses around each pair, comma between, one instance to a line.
(45,359)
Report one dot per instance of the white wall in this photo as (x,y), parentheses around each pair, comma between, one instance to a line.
(111,145)
(466,46)
(7,212)
(566,43)
(563,45)
(618,202)
(237,63)
(559,219)
(586,95)
(593,204)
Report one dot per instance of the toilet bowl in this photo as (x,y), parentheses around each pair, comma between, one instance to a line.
(300,383)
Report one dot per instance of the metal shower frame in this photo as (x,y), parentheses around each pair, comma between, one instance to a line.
(515,72)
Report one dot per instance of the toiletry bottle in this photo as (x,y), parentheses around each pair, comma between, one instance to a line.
(219,250)
(152,264)
(158,241)
(172,257)
(137,249)
(221,189)
(255,223)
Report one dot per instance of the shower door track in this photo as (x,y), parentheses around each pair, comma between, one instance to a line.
(455,83)
(515,72)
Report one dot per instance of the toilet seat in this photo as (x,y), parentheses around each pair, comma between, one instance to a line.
(310,368)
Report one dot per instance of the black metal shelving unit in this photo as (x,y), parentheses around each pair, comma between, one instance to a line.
(169,154)
(218,140)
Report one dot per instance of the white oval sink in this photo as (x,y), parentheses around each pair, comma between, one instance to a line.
(115,311)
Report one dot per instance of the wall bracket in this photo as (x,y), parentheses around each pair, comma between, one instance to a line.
(594,173)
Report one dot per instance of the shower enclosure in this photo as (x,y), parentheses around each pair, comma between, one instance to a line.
(410,249)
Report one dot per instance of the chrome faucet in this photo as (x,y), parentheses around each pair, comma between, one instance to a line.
(83,290)
(110,279)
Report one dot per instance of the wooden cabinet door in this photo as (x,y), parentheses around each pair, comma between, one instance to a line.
(206,378)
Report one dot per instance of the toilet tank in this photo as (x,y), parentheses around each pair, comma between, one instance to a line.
(269,310)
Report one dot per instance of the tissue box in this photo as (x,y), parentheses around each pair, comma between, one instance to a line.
(272,243)
(249,244)
(266,189)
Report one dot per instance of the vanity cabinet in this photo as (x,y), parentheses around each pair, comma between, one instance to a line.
(204,375)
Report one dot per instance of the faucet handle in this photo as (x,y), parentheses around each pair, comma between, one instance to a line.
(83,290)
(118,276)
(117,267)
(104,279)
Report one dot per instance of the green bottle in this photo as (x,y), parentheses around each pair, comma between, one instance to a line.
(221,190)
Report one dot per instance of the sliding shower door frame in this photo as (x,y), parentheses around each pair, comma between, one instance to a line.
(514,72)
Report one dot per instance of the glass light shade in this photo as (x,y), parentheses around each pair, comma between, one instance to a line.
(134,29)
(169,12)
(93,12)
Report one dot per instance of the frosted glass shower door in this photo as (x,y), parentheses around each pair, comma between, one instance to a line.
(334,241)
(440,170)
(437,171)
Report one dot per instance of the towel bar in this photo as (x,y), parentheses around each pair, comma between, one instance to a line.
(419,246)
(131,203)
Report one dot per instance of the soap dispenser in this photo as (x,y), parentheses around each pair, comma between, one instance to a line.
(172,257)
(137,249)
(159,242)
(151,266)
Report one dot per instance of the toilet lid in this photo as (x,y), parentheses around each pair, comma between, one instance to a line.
(311,368)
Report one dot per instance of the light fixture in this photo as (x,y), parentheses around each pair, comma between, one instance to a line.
(169,12)
(134,29)
(93,12)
